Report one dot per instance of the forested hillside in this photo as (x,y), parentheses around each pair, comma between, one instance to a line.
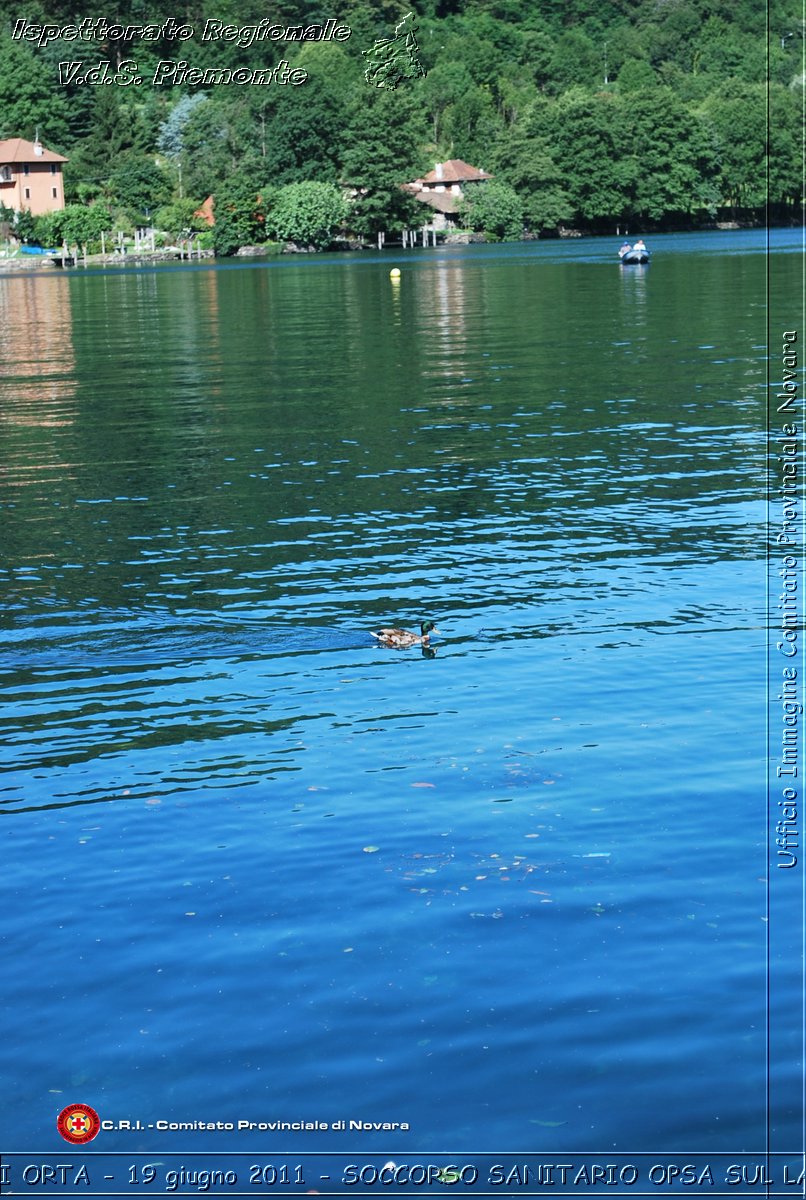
(589,113)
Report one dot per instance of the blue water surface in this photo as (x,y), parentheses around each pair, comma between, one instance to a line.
(510,893)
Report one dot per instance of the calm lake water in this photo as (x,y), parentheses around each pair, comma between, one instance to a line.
(258,867)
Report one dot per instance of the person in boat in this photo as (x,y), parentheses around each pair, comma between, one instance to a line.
(625,249)
(640,245)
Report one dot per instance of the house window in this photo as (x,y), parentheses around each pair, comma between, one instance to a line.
(27,193)
(26,170)
(55,193)
(53,168)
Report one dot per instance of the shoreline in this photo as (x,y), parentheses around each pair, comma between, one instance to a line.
(23,264)
(47,262)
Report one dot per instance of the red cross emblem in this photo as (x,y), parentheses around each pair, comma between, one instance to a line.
(78,1123)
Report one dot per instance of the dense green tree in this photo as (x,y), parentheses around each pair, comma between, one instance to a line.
(600,151)
(78,101)
(492,44)
(592,151)
(307,213)
(303,134)
(484,61)
(240,206)
(671,37)
(299,129)
(737,115)
(472,125)
(380,152)
(523,160)
(116,131)
(576,60)
(635,75)
(25,226)
(84,223)
(76,224)
(7,216)
(785,152)
(29,100)
(494,209)
(783,60)
(49,229)
(721,49)
(537,50)
(217,138)
(139,186)
(332,63)
(442,87)
(672,159)
(178,217)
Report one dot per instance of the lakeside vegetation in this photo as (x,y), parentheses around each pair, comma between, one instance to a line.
(648,115)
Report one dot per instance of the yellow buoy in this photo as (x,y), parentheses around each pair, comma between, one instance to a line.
(394,273)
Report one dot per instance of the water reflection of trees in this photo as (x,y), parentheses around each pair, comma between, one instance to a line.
(241,430)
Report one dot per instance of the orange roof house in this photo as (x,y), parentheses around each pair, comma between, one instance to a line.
(441,189)
(450,175)
(30,177)
(205,213)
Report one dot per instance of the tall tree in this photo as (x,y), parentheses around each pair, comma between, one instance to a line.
(673,160)
(381,152)
(116,131)
(586,139)
(472,126)
(786,139)
(303,133)
(738,118)
(577,60)
(29,97)
(217,138)
(523,159)
(443,86)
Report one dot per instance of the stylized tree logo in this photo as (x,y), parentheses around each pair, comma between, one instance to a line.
(391,60)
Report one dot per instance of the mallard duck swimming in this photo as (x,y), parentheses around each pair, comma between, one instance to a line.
(400,638)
